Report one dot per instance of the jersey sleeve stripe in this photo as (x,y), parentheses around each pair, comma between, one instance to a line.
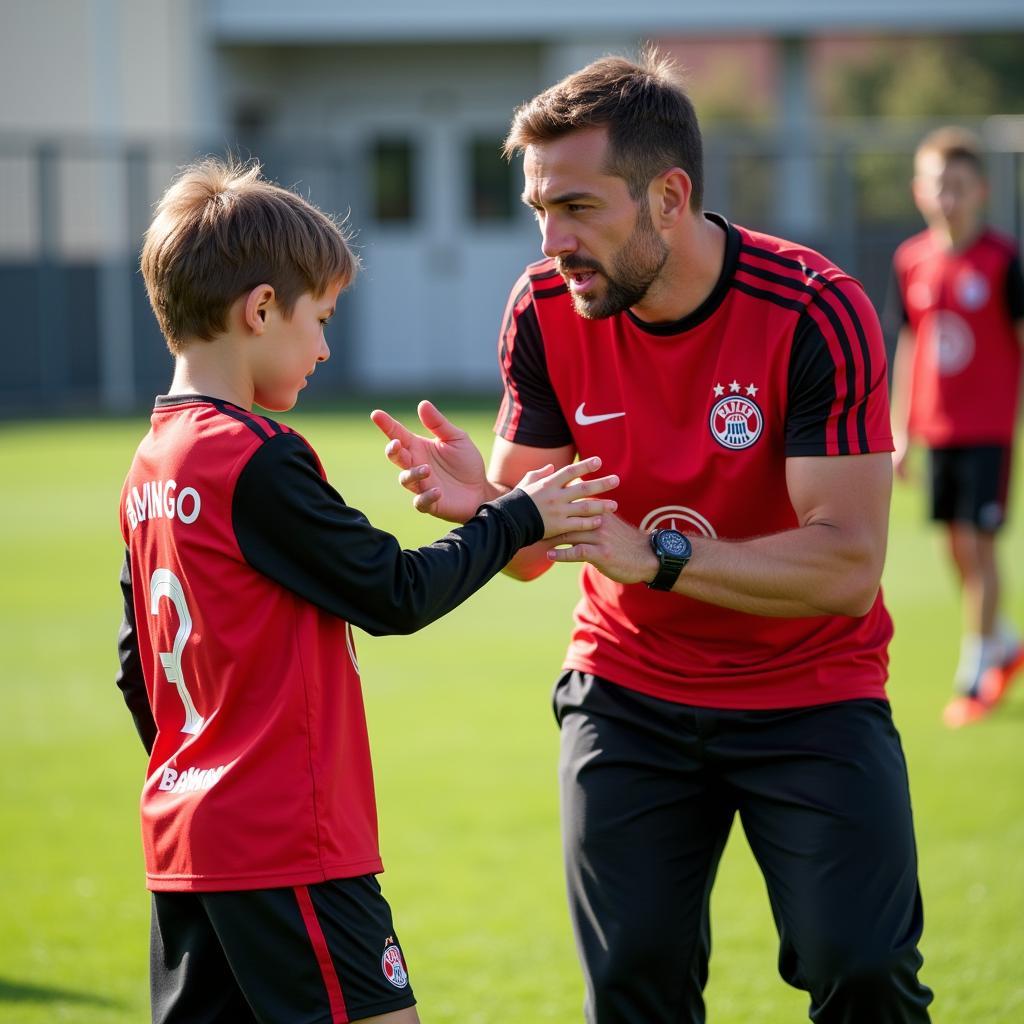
(856,384)
(252,422)
(834,291)
(511,407)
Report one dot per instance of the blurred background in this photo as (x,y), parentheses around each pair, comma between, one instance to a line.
(392,113)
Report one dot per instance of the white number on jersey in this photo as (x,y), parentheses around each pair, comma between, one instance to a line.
(165,584)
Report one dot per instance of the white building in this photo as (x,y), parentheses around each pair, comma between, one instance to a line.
(393,109)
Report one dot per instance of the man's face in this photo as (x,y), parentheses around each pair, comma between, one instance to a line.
(949,193)
(603,241)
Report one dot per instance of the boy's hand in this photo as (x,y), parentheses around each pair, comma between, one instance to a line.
(900,460)
(445,472)
(564,501)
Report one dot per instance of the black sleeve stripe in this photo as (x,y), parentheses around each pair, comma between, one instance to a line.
(768,275)
(243,417)
(773,297)
(821,297)
(831,289)
(1015,289)
(505,360)
(546,275)
(549,293)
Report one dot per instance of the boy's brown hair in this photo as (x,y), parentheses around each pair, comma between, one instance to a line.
(220,230)
(651,123)
(954,143)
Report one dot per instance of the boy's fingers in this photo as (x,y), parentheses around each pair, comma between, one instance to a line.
(583,524)
(604,483)
(577,469)
(398,454)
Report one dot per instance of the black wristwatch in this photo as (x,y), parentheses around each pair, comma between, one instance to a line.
(673,550)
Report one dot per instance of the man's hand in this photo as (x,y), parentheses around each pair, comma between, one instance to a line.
(444,472)
(565,502)
(620,551)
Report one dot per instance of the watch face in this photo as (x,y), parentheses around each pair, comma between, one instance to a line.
(673,543)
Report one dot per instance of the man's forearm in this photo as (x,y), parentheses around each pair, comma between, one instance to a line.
(811,570)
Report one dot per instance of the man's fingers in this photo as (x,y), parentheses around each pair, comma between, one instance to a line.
(438,424)
(412,478)
(576,553)
(426,501)
(387,424)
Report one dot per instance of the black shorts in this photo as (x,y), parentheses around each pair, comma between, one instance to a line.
(309,954)
(970,485)
(650,790)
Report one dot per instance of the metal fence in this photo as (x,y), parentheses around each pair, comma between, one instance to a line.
(78,334)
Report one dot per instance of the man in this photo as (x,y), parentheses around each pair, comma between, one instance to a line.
(959,295)
(729,650)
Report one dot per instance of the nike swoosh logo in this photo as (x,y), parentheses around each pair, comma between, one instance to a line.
(585,421)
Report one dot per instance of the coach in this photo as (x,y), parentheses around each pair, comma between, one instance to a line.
(729,652)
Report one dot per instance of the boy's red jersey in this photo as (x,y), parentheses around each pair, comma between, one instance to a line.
(785,358)
(260,774)
(962,307)
(243,572)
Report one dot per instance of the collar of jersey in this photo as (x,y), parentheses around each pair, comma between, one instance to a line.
(164,401)
(718,293)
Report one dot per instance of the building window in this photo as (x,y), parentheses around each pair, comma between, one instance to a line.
(492,181)
(393,176)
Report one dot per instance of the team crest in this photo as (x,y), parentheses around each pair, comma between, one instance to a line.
(972,290)
(393,966)
(736,421)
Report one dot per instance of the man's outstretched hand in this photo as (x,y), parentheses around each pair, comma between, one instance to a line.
(445,472)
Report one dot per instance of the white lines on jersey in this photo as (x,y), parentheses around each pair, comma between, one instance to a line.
(585,421)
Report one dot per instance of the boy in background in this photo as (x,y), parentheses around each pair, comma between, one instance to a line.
(243,575)
(956,383)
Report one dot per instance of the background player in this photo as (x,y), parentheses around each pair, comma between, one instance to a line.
(737,384)
(956,381)
(243,575)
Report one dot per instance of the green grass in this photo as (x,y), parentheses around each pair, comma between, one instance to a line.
(465,750)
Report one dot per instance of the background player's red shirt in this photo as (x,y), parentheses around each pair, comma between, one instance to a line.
(962,307)
(244,569)
(785,358)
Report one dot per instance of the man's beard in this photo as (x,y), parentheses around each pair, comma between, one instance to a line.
(633,270)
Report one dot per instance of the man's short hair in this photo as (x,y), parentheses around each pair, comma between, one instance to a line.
(220,230)
(650,120)
(954,143)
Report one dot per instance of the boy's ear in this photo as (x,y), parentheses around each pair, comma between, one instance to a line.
(257,304)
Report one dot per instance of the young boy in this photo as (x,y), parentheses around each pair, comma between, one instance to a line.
(244,573)
(956,380)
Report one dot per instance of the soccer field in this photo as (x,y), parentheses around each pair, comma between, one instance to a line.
(465,752)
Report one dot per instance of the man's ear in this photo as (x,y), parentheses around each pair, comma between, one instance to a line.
(670,195)
(257,305)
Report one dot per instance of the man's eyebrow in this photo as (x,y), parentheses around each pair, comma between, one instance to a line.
(566,197)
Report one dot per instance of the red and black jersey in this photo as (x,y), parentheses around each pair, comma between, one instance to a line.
(784,358)
(245,571)
(963,307)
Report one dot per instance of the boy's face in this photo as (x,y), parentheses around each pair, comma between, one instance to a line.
(950,194)
(287,352)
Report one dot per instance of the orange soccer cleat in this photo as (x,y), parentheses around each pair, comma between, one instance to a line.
(964,710)
(996,681)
